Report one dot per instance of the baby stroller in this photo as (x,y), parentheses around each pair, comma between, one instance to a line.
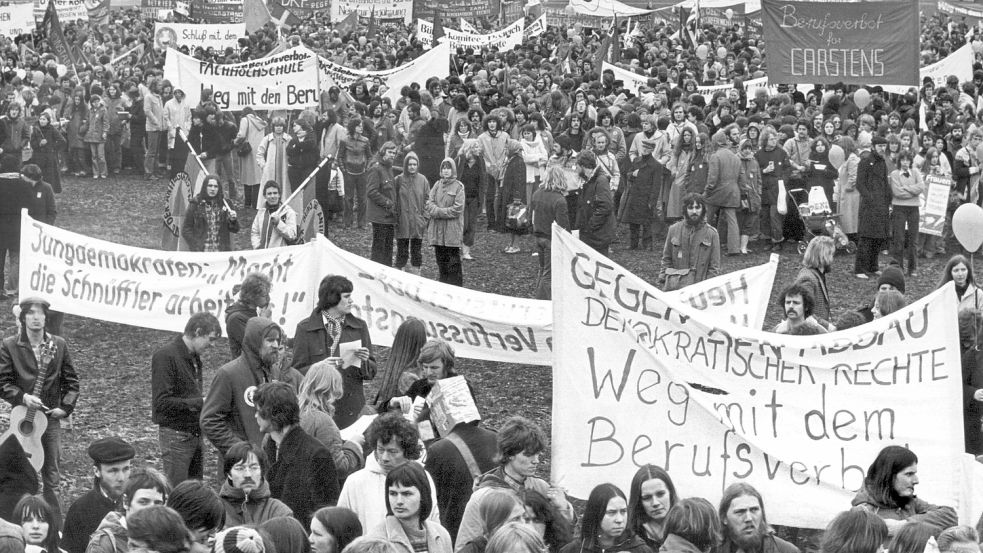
(819,219)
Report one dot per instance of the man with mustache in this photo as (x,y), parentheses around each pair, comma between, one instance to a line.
(746,530)
(797,303)
(245,492)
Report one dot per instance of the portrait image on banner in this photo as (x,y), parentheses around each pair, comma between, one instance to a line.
(868,43)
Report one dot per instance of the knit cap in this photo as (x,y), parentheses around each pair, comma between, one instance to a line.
(239,539)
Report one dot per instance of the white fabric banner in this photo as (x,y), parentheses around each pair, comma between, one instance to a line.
(384,9)
(503,39)
(194,35)
(958,63)
(647,379)
(285,81)
(17,19)
(155,288)
(606,8)
(68,10)
(433,63)
(536,28)
(160,289)
(633,81)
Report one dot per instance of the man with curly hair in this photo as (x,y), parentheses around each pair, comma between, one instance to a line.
(396,441)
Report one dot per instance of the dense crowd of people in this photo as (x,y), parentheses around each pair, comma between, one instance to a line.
(510,142)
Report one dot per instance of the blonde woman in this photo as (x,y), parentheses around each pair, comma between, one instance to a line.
(319,391)
(548,205)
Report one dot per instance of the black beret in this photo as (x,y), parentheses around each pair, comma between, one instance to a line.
(106,451)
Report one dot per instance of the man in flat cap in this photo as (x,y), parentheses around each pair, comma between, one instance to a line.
(112,457)
(36,373)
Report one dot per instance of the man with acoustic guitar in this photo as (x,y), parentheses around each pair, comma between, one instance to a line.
(37,378)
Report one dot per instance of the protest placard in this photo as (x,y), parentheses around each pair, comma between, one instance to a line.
(155,288)
(16,18)
(434,63)
(503,39)
(869,43)
(194,35)
(451,404)
(934,202)
(68,10)
(534,29)
(641,379)
(380,9)
(285,81)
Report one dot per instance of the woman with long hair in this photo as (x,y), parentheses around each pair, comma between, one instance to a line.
(907,188)
(604,526)
(408,505)
(548,206)
(209,219)
(77,113)
(287,534)
(320,389)
(252,132)
(271,154)
(354,155)
(848,197)
(333,528)
(816,264)
(651,496)
(934,164)
(515,537)
(699,168)
(889,492)
(960,271)
(498,509)
(402,360)
(679,165)
(302,155)
(551,526)
(46,142)
(692,524)
(39,523)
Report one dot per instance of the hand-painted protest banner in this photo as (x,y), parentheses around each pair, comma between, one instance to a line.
(154,288)
(513,330)
(284,81)
(974,15)
(633,81)
(388,9)
(454,9)
(503,39)
(851,42)
(217,11)
(204,35)
(934,202)
(16,19)
(642,378)
(535,28)
(68,10)
(433,63)
(160,289)
(958,63)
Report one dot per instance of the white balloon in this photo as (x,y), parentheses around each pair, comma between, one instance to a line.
(61,69)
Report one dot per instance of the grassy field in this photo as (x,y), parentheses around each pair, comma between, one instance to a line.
(114,360)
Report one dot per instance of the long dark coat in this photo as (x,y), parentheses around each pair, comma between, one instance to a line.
(302,474)
(429,147)
(644,191)
(46,157)
(875,197)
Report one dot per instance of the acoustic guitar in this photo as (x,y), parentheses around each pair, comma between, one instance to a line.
(25,424)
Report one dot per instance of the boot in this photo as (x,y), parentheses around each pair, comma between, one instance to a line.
(467,253)
(744,240)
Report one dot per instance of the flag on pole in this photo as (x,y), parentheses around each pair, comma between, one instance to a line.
(370,33)
(615,43)
(348,24)
(98,11)
(56,36)
(468,28)
(304,202)
(138,49)
(185,185)
(601,55)
(438,29)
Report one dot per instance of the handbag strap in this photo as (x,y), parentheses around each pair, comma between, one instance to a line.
(465,452)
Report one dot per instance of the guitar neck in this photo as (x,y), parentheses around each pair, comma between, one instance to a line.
(42,374)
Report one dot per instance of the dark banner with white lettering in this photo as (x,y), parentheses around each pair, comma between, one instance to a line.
(868,43)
